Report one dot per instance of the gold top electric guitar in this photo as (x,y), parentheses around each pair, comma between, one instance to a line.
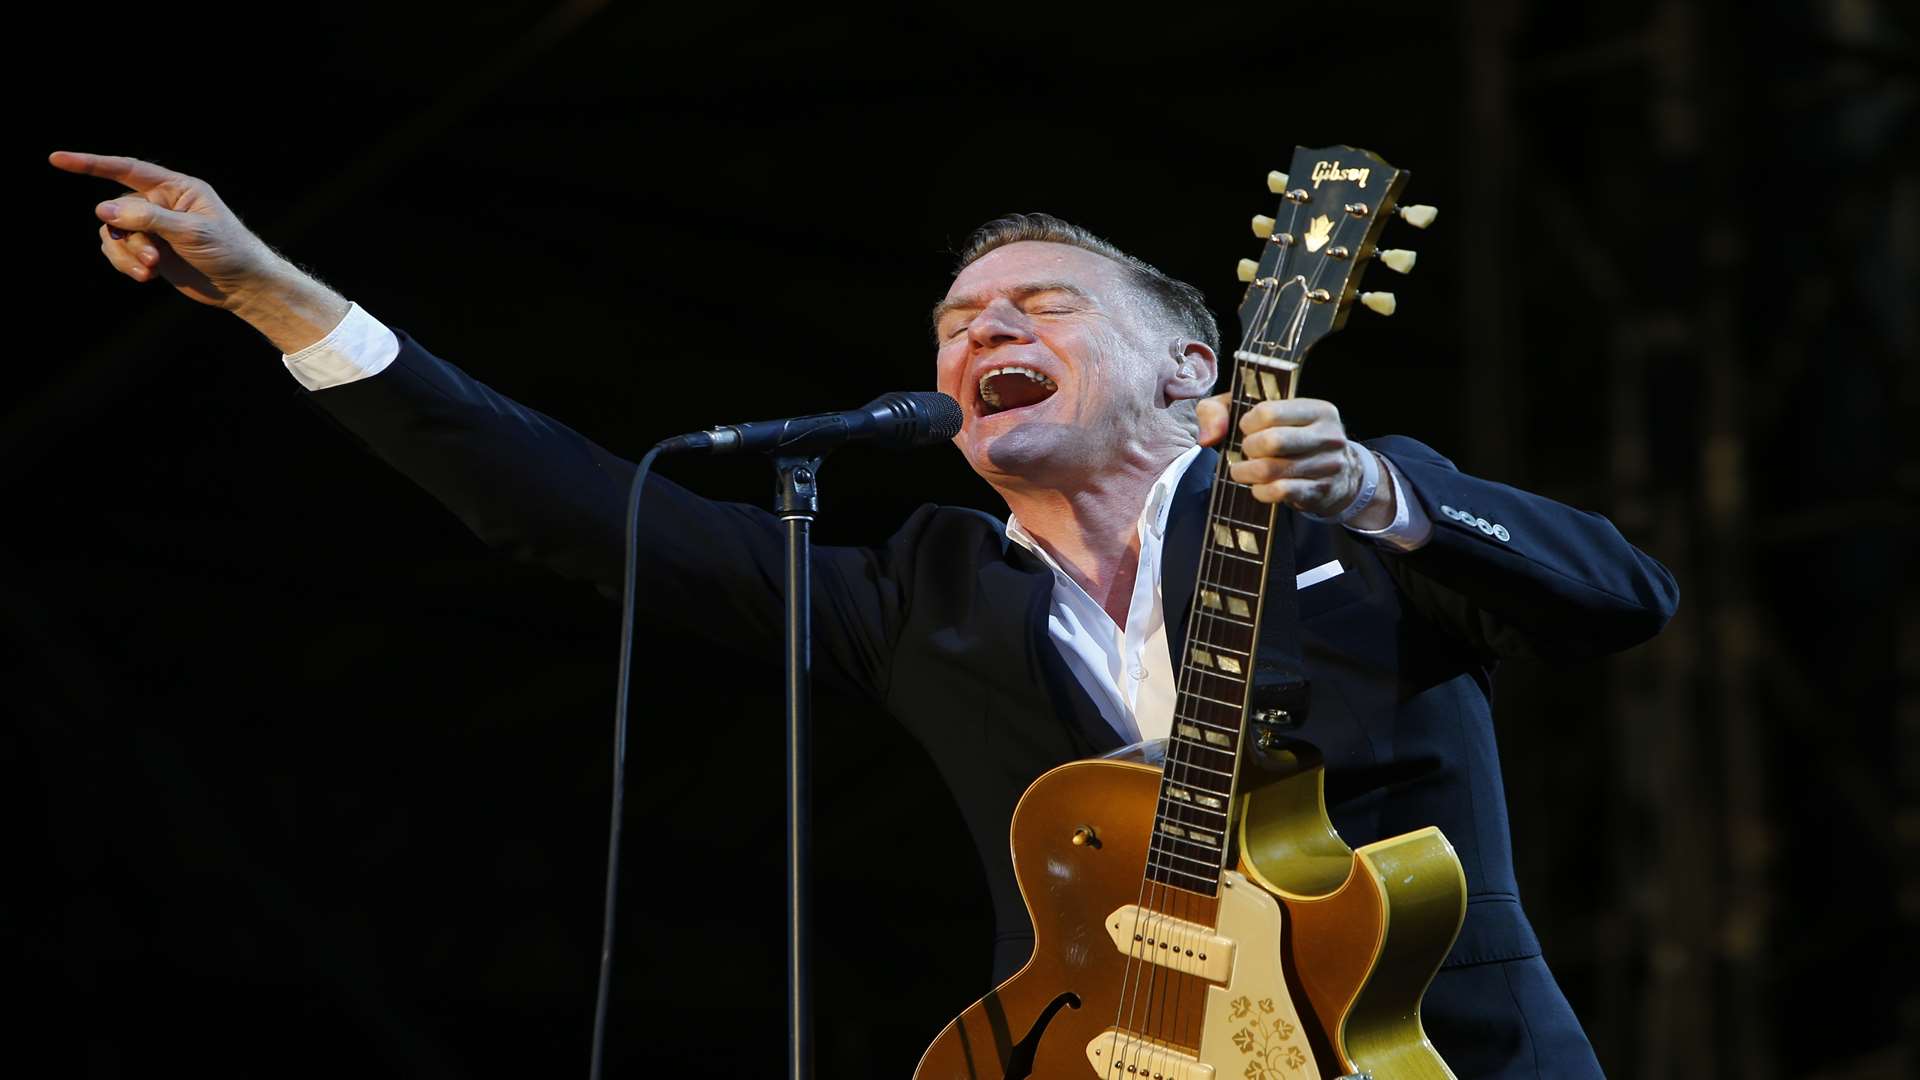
(1195,913)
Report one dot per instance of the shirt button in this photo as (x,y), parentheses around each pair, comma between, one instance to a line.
(1139,673)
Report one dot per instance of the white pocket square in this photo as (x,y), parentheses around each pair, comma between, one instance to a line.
(1326,570)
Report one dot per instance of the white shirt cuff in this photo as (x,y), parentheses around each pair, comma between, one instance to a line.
(1411,527)
(361,346)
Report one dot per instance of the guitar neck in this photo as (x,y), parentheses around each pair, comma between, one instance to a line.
(1193,822)
(1325,231)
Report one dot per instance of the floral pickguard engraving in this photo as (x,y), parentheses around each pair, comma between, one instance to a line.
(1267,1040)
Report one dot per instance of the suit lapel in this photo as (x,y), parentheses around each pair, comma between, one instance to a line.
(1024,575)
(1180,550)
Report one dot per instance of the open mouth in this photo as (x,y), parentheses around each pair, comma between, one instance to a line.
(1007,388)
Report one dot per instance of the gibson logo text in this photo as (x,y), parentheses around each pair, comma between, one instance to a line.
(1331,170)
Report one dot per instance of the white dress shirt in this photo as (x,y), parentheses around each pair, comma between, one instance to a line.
(1128,671)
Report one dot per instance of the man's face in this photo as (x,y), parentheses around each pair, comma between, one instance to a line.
(1059,363)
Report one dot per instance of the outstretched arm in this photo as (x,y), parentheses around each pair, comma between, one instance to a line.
(519,479)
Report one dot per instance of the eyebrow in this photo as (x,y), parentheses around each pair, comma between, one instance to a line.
(1019,292)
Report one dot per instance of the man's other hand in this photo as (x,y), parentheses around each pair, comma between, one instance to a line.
(174,227)
(1297,453)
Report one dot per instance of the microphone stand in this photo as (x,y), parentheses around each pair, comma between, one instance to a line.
(797,500)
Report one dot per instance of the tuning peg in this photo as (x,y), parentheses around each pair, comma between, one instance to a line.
(1419,215)
(1262,226)
(1398,260)
(1248,269)
(1277,183)
(1380,303)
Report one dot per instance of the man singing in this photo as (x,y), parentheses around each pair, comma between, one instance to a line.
(1008,647)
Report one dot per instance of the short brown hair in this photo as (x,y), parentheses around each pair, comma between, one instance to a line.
(1183,303)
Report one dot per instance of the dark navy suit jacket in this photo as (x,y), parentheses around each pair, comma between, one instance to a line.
(945,625)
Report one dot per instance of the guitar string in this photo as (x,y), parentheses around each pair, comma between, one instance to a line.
(1153,920)
(1245,392)
(1174,767)
(1237,409)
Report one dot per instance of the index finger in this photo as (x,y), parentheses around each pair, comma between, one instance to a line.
(1297,412)
(135,174)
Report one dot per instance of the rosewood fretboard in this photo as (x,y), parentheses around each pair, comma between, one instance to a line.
(1191,830)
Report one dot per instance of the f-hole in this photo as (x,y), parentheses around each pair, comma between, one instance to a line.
(1020,1062)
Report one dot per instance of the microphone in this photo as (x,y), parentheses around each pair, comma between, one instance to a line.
(900,419)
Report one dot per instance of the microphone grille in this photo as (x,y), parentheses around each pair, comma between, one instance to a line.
(942,413)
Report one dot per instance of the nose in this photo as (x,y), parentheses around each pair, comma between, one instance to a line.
(999,323)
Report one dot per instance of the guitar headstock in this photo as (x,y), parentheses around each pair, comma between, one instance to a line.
(1335,202)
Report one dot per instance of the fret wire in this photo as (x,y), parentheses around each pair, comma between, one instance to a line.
(1208,881)
(1233,687)
(1203,723)
(1199,785)
(1234,705)
(1226,619)
(1204,583)
(1209,673)
(1235,683)
(1190,788)
(1221,826)
(1218,550)
(1215,863)
(1215,854)
(1227,750)
(1227,722)
(1214,646)
(1202,768)
(1262,526)
(1196,643)
(1177,804)
(1231,572)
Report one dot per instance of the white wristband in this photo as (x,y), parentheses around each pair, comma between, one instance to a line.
(1369,486)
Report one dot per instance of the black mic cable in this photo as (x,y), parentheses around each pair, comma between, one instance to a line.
(619,757)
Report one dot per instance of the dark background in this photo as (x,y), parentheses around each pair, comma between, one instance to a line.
(301,780)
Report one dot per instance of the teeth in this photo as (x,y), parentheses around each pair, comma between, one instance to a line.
(993,399)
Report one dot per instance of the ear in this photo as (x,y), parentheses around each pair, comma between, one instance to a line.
(1193,373)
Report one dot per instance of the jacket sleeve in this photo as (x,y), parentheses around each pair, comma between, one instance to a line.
(1516,574)
(542,492)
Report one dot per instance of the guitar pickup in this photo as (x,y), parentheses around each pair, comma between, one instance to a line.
(1120,1056)
(1177,944)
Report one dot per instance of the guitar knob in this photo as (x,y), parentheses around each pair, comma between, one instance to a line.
(1398,260)
(1380,303)
(1277,183)
(1262,226)
(1084,836)
(1419,215)
(1248,270)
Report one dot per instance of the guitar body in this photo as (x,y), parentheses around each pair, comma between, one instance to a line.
(1057,1014)
(1323,981)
